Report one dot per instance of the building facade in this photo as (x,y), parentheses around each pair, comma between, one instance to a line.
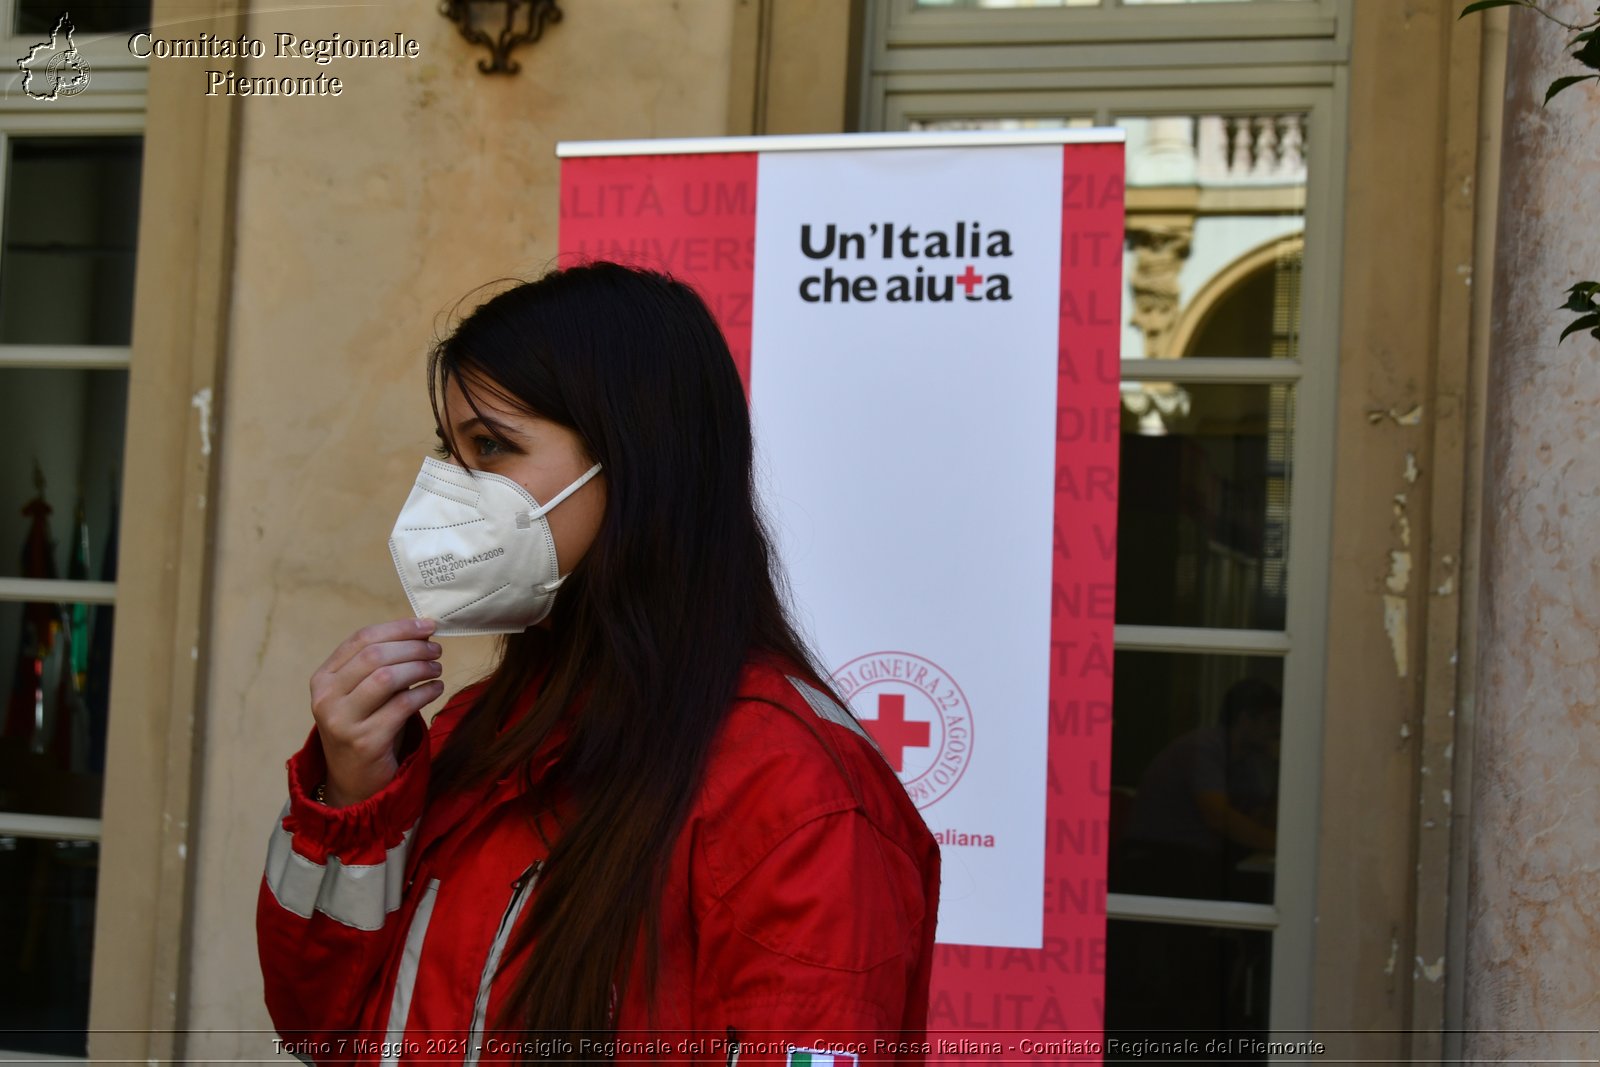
(1353,502)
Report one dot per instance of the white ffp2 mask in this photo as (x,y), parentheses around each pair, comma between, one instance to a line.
(475,552)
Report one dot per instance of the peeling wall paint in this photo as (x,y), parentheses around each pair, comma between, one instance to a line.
(1448,586)
(1396,621)
(201,402)
(1402,521)
(1394,624)
(1410,417)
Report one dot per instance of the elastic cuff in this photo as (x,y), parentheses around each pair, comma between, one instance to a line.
(361,832)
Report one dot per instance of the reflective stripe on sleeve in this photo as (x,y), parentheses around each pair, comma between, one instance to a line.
(825,708)
(357,895)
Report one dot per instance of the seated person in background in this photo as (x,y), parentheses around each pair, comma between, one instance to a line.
(1208,799)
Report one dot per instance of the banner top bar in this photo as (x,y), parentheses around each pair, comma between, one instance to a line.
(824,142)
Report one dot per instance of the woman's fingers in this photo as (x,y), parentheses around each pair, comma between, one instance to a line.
(397,630)
(362,696)
(384,682)
(361,666)
(388,720)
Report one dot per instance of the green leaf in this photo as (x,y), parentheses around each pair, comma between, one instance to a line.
(1581,297)
(1568,82)
(1484,5)
(1585,323)
(1589,54)
(1584,36)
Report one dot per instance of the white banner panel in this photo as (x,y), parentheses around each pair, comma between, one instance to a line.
(915,519)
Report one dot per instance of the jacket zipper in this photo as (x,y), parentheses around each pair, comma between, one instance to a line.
(733,1047)
(520,888)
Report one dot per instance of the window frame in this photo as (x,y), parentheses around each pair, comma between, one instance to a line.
(1108,62)
(114,105)
(905,23)
(81,120)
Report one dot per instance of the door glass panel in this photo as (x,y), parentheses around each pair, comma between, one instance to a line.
(1166,982)
(53,739)
(66,278)
(1203,505)
(71,221)
(1215,235)
(59,495)
(47,890)
(1194,775)
(1076,122)
(59,476)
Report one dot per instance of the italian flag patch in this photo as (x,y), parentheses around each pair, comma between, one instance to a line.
(815,1057)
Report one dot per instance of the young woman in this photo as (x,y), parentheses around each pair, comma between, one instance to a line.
(653,831)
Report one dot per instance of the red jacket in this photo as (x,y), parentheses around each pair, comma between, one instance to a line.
(798,910)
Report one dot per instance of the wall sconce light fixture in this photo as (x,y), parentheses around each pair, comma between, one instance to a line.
(500,25)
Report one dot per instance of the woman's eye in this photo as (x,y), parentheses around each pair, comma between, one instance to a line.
(441,450)
(487,446)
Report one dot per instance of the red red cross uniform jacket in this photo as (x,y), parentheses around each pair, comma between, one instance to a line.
(798,911)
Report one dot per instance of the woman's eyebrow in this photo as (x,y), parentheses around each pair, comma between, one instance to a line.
(494,427)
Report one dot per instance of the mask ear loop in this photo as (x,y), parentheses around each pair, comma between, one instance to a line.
(583,479)
(538,512)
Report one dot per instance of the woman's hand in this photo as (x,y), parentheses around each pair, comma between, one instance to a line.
(362,697)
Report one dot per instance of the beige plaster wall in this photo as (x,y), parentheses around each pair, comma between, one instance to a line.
(1393,647)
(361,219)
(1533,935)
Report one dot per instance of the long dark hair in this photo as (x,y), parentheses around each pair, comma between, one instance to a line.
(650,631)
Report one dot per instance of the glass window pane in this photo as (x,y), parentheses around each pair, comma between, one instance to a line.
(61,471)
(1216,235)
(1194,775)
(88,16)
(53,736)
(1073,123)
(71,220)
(58,515)
(47,892)
(1008,3)
(1166,982)
(1203,505)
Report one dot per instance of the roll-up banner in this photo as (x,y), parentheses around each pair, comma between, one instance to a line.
(928,330)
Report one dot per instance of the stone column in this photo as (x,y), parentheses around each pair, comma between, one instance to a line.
(1533,899)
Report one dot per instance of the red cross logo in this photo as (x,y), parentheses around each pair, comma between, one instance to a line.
(970,280)
(893,732)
